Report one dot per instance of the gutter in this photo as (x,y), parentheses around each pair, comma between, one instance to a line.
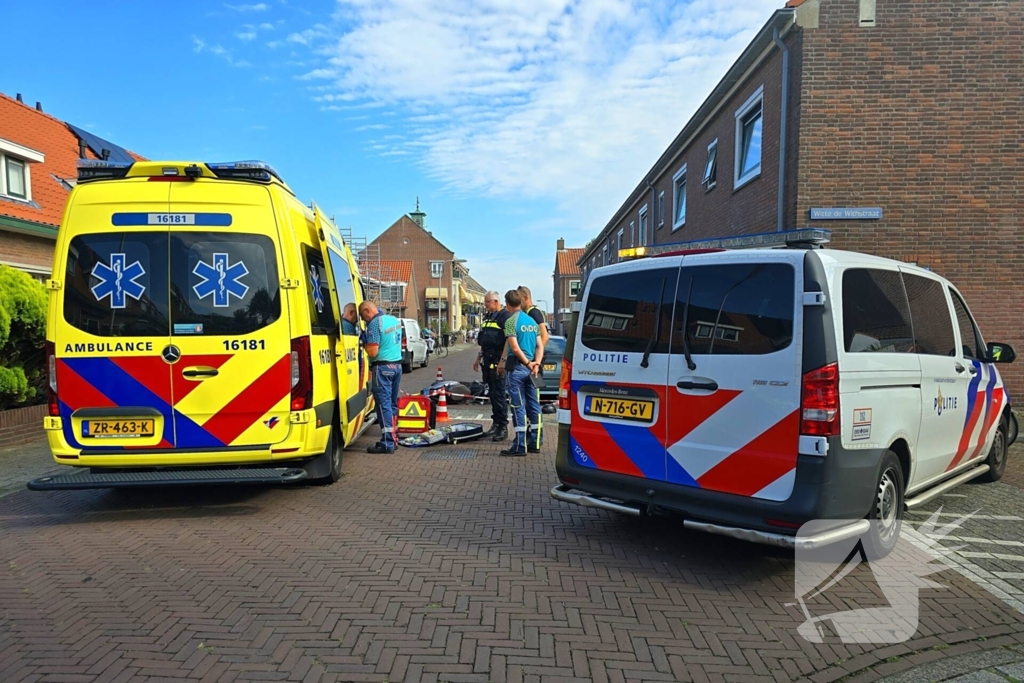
(783,116)
(781,21)
(20,225)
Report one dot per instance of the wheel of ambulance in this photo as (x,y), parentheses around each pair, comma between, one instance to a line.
(886,515)
(331,458)
(996,460)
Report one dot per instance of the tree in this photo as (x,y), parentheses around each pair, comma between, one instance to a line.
(22,336)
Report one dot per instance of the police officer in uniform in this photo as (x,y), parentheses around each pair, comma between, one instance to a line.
(492,342)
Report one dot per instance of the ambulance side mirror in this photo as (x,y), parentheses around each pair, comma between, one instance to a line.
(1001,353)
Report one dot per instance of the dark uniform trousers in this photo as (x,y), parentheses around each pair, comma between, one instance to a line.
(496,390)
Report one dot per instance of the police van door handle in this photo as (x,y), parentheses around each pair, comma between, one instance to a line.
(959,368)
(199,372)
(704,385)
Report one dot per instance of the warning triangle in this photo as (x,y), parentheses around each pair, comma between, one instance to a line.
(412,410)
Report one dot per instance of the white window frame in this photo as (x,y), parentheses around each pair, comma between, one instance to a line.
(644,224)
(678,222)
(436,270)
(604,254)
(709,185)
(576,284)
(755,100)
(661,208)
(618,243)
(632,233)
(27,157)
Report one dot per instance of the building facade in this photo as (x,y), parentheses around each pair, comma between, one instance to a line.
(38,168)
(438,276)
(567,281)
(392,286)
(893,123)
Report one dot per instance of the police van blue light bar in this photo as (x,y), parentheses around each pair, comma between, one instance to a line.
(811,237)
(244,170)
(101,169)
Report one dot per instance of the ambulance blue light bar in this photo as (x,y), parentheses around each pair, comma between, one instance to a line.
(101,169)
(808,237)
(244,170)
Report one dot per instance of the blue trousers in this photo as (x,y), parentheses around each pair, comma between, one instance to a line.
(386,378)
(525,401)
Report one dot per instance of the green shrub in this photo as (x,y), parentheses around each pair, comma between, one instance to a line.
(22,335)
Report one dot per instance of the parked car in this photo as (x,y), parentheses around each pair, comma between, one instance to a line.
(414,348)
(755,390)
(554,350)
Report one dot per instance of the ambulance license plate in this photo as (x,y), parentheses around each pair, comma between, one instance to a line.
(118,429)
(619,408)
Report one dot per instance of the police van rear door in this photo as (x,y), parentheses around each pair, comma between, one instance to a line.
(621,369)
(734,373)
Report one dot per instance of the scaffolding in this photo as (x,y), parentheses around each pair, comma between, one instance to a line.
(372,273)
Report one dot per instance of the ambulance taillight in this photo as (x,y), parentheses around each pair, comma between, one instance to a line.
(302,374)
(51,376)
(819,409)
(564,386)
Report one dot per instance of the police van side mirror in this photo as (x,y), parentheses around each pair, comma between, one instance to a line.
(1001,353)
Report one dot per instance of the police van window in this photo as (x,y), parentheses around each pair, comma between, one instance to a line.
(876,316)
(734,309)
(933,327)
(116,284)
(344,285)
(970,337)
(319,291)
(222,283)
(623,310)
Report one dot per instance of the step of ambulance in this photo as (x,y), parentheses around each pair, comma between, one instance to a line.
(109,480)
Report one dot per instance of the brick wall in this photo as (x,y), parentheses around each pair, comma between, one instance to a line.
(16,248)
(921,115)
(407,241)
(21,425)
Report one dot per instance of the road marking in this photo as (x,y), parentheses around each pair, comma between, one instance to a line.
(954,495)
(992,556)
(1010,575)
(999,518)
(479,416)
(982,541)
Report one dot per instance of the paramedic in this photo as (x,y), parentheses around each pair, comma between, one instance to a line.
(384,347)
(522,363)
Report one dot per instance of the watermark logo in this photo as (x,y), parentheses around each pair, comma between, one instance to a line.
(899,568)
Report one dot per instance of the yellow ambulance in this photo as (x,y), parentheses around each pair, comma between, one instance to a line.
(195,330)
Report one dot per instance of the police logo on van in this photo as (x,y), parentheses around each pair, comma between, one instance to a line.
(118,281)
(941,403)
(222,279)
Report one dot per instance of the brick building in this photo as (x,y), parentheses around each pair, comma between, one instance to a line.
(439,277)
(567,279)
(393,286)
(906,113)
(38,168)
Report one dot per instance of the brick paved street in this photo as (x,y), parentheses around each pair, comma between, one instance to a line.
(442,564)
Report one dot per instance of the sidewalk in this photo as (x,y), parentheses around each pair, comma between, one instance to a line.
(26,461)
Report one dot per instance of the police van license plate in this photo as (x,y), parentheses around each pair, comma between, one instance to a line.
(550,367)
(118,429)
(619,408)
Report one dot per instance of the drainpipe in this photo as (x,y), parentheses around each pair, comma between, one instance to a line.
(782,126)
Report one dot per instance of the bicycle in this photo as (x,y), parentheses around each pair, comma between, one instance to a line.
(440,350)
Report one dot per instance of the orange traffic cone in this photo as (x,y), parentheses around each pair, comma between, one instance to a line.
(442,407)
(440,378)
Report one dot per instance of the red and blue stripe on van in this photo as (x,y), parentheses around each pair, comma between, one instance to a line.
(985,404)
(138,381)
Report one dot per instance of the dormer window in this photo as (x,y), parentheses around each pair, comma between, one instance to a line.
(15,177)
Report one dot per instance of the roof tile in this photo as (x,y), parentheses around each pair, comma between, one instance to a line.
(565,262)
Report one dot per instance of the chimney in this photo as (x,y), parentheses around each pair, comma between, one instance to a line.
(18,97)
(104,154)
(81,149)
(561,244)
(39,106)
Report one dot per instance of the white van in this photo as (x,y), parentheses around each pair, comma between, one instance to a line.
(414,348)
(753,390)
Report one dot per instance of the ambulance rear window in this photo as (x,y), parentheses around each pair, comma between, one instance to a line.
(223,283)
(116,284)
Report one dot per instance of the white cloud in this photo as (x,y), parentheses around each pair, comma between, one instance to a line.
(538,98)
(317,73)
(274,44)
(265,26)
(246,35)
(197,44)
(258,7)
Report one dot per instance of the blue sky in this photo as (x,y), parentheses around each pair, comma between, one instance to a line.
(516,122)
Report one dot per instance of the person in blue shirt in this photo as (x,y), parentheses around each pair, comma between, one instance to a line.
(350,321)
(525,355)
(384,347)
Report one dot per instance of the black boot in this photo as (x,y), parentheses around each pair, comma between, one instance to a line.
(492,431)
(500,434)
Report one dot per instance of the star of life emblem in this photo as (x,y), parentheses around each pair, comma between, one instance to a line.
(318,295)
(222,280)
(118,281)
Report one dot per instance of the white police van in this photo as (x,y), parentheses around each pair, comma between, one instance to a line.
(755,389)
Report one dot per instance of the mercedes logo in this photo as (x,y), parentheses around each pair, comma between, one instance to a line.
(171,354)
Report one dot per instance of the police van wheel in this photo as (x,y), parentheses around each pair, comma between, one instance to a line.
(329,461)
(996,460)
(886,515)
(407,367)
